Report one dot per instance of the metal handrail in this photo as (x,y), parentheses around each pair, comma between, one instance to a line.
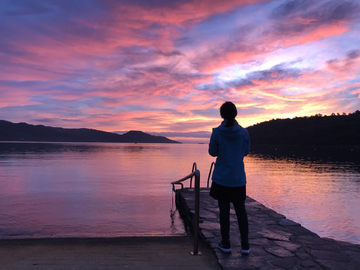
(194,168)
(195,173)
(211,167)
(179,182)
(191,175)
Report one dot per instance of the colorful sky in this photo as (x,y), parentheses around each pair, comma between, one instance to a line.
(165,66)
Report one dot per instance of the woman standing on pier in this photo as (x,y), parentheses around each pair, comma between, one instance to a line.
(230,143)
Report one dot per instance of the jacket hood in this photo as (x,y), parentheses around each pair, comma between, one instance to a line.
(231,133)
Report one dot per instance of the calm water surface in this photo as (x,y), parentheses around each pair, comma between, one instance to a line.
(99,189)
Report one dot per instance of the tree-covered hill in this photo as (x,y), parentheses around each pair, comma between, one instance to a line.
(26,132)
(335,129)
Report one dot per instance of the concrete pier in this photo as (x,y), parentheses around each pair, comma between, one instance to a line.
(276,242)
(105,253)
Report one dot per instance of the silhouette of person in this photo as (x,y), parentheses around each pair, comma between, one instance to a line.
(230,142)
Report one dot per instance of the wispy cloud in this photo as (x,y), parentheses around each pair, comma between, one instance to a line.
(165,66)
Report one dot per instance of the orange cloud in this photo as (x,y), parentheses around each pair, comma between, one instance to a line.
(157,67)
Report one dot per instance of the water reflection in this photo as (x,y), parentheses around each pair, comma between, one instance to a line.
(46,148)
(112,189)
(320,193)
(334,153)
(90,189)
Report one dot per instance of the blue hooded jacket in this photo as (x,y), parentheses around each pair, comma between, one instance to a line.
(229,145)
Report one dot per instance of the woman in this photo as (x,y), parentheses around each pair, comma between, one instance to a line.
(230,143)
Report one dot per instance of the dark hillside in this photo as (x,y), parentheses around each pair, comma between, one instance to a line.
(25,132)
(314,130)
(138,136)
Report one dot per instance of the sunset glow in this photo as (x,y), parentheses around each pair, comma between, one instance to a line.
(165,66)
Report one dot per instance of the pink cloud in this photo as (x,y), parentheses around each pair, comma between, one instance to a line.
(351,63)
(160,65)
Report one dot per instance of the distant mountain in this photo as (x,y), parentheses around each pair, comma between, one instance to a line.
(315,130)
(26,132)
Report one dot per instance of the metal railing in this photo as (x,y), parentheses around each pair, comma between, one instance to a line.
(194,168)
(195,173)
(191,177)
(211,167)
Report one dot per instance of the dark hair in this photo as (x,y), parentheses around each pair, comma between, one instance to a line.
(228,112)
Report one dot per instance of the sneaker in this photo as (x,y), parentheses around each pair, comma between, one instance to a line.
(224,247)
(245,249)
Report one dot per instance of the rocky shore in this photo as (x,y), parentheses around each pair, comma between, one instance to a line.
(276,242)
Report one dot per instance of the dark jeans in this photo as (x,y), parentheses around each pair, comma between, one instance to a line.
(239,206)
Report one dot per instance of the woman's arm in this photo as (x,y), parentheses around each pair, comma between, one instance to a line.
(213,145)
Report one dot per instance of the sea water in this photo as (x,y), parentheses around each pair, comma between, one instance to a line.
(118,189)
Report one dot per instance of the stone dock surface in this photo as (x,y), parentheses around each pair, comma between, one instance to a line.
(105,253)
(276,242)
